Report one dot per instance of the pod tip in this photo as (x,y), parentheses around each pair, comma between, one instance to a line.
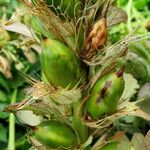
(120,72)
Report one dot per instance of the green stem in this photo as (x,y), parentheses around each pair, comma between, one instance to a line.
(20,142)
(129,14)
(80,128)
(11,142)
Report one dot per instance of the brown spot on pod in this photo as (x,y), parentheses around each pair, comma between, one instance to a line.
(104,91)
(120,72)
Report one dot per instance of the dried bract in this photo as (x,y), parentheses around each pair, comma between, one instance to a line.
(95,39)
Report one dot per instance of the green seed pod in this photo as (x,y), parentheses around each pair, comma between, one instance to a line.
(60,65)
(110,146)
(105,94)
(71,7)
(55,135)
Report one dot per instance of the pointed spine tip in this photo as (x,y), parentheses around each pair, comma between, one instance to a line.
(120,72)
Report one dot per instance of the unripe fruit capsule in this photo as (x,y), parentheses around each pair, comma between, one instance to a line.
(105,95)
(55,134)
(60,64)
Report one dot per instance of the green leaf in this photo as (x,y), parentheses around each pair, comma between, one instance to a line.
(141,49)
(16,81)
(3,96)
(3,115)
(21,142)
(4,83)
(140,4)
(2,2)
(122,2)
(3,133)
(137,66)
(145,95)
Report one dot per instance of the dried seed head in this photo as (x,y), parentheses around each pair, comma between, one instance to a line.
(95,39)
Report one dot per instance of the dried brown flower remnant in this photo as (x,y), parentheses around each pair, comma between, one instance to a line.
(95,39)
